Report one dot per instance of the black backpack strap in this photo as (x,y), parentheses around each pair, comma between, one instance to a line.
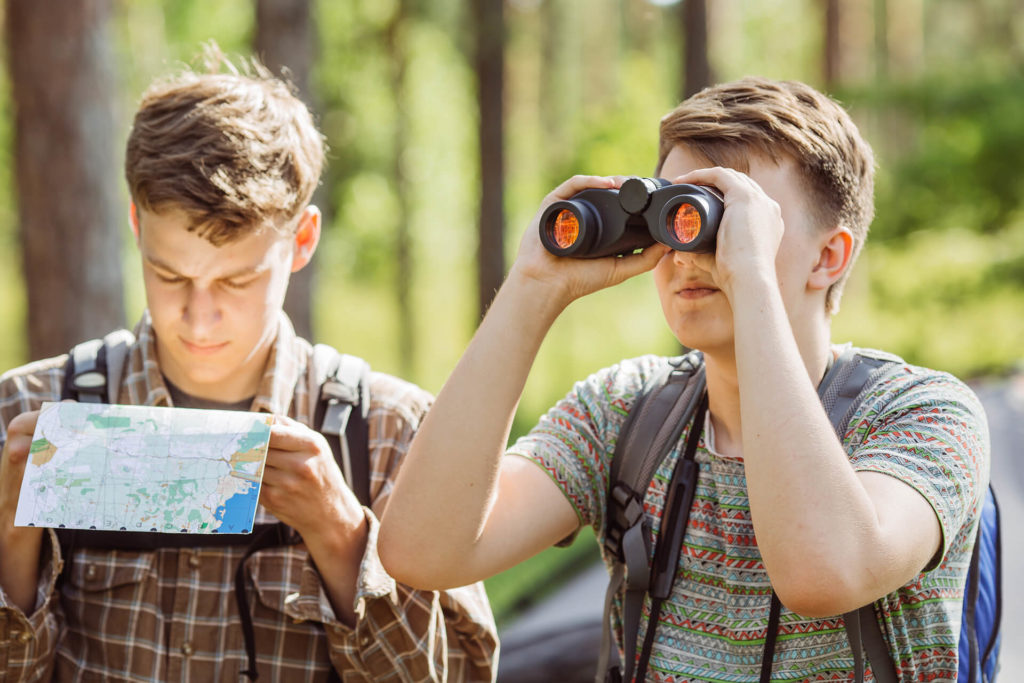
(271,536)
(841,392)
(92,374)
(650,431)
(675,516)
(342,407)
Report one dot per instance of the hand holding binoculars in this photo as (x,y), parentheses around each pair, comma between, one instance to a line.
(595,223)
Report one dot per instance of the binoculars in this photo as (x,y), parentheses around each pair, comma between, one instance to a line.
(595,223)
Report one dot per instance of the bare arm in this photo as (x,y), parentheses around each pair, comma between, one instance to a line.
(831,539)
(461,511)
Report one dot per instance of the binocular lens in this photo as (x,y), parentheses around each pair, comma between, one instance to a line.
(685,224)
(566,229)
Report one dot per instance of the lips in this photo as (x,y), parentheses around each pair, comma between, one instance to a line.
(203,349)
(696,290)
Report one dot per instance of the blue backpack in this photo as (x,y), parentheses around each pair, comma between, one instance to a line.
(983,601)
(667,403)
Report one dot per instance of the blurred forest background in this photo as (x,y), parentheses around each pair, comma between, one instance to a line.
(449,121)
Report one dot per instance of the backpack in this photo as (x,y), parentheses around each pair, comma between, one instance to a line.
(93,375)
(666,404)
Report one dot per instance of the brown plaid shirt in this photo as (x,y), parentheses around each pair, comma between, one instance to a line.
(170,615)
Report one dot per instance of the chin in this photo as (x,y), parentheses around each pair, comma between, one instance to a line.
(711,342)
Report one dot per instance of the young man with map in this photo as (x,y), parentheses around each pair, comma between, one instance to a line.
(221,168)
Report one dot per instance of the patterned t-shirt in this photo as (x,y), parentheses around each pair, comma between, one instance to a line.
(923,427)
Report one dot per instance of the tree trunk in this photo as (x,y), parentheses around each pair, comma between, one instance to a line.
(284,40)
(403,247)
(696,68)
(488,16)
(62,87)
(833,50)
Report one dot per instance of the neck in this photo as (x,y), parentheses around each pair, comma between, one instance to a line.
(724,385)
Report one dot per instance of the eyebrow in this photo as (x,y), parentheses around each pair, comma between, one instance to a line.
(241,273)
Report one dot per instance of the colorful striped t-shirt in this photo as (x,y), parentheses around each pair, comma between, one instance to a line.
(921,426)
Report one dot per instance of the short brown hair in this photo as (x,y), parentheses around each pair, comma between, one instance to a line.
(727,122)
(237,151)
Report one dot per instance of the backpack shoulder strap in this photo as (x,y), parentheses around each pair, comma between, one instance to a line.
(342,408)
(92,374)
(841,391)
(94,368)
(661,411)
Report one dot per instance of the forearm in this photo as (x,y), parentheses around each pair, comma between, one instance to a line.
(816,526)
(448,479)
(28,638)
(19,565)
(338,555)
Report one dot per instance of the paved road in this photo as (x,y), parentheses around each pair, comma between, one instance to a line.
(581,601)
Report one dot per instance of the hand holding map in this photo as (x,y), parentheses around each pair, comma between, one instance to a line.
(140,468)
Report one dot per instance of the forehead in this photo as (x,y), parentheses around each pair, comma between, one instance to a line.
(780,179)
(165,239)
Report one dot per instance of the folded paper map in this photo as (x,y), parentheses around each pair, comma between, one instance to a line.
(139,468)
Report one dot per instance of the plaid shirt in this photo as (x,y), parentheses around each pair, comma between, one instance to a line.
(170,615)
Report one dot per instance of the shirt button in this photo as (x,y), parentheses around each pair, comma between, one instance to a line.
(24,636)
(91,572)
(186,649)
(365,640)
(193,561)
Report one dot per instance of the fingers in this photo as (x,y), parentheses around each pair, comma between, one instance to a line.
(578,183)
(635,264)
(20,431)
(288,435)
(727,180)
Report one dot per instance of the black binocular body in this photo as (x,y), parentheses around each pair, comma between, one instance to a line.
(595,223)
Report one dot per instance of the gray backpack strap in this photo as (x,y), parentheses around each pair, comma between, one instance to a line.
(342,408)
(652,428)
(841,392)
(95,368)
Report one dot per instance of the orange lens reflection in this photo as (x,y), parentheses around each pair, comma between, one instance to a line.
(566,229)
(686,224)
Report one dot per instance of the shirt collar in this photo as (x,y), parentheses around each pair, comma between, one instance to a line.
(273,395)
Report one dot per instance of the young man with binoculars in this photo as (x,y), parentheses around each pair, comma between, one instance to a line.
(885,515)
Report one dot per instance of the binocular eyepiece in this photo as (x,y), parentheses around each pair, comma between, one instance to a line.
(595,223)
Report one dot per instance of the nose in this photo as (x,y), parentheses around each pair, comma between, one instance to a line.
(201,312)
(684,258)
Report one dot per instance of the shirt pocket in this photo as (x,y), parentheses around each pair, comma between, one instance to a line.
(288,610)
(109,597)
(287,587)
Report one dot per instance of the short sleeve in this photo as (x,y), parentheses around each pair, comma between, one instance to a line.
(928,430)
(575,440)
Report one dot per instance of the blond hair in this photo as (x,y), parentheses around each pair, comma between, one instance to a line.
(236,150)
(728,122)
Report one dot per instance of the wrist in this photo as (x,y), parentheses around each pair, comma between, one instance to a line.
(344,536)
(752,284)
(546,298)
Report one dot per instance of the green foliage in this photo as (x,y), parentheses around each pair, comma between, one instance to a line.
(956,164)
(941,282)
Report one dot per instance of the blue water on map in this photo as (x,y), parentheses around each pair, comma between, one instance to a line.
(237,512)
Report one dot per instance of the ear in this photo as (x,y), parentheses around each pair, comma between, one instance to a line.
(134,215)
(833,260)
(307,236)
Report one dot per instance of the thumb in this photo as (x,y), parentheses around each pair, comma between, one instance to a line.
(635,264)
